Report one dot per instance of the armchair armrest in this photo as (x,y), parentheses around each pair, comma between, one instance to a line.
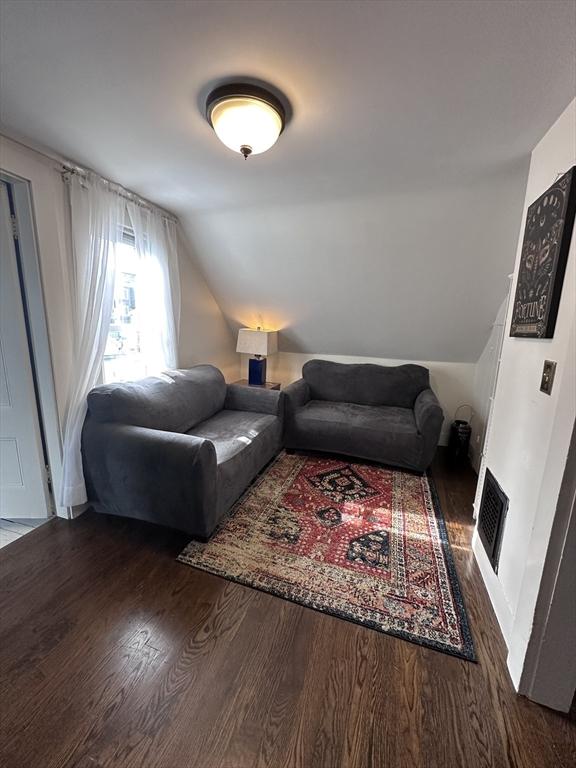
(163,477)
(240,398)
(429,416)
(297,394)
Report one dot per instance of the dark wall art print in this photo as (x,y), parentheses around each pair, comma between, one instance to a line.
(549,224)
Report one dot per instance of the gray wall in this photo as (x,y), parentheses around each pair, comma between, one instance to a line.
(416,276)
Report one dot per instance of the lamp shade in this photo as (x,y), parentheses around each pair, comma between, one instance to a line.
(244,122)
(257,342)
(246,118)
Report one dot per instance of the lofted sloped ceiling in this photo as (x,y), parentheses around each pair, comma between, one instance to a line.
(385,220)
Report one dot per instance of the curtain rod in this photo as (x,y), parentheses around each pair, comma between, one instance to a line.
(70,169)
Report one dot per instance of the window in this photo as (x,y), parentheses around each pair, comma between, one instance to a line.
(123,357)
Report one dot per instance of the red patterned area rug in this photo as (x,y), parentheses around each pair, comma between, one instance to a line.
(354,540)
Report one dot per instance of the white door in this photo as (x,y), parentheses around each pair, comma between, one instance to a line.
(23,485)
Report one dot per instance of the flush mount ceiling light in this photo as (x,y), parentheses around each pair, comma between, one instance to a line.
(246,118)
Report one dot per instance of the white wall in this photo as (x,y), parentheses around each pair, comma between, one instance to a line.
(485,372)
(452,382)
(530,435)
(205,336)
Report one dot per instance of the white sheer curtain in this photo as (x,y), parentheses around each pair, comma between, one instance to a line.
(99,212)
(158,285)
(97,215)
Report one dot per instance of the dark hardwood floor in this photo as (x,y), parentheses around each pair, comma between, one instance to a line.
(114,654)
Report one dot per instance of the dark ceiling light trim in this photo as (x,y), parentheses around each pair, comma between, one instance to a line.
(242,137)
(244,89)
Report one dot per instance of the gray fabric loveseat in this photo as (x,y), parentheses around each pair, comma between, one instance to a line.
(178,449)
(385,414)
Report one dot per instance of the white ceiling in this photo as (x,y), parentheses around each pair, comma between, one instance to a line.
(390,99)
(384,93)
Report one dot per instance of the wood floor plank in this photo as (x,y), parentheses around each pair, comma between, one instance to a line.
(132,737)
(113,654)
(232,723)
(278,720)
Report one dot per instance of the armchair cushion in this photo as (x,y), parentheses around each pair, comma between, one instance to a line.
(244,442)
(365,383)
(364,431)
(369,418)
(297,394)
(429,417)
(147,473)
(428,412)
(173,401)
(241,398)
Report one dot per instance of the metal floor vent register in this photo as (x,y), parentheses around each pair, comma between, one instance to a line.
(493,509)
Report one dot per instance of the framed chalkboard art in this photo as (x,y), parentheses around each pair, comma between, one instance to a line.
(549,224)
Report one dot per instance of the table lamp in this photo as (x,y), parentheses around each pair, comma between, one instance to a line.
(259,343)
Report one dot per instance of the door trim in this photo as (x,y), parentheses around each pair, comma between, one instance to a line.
(549,674)
(39,341)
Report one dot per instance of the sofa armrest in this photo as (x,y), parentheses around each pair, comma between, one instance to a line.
(429,417)
(297,395)
(241,398)
(163,477)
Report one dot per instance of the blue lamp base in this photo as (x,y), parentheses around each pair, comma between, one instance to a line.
(257,371)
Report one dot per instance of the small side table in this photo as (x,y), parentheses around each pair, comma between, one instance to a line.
(268,385)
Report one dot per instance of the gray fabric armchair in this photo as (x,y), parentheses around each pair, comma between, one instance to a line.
(375,412)
(178,449)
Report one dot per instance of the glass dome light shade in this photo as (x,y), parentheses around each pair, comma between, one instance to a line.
(245,121)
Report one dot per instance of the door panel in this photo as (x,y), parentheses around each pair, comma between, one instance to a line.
(23,487)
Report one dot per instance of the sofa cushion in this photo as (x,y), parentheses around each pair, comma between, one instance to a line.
(174,401)
(379,433)
(354,416)
(365,383)
(245,442)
